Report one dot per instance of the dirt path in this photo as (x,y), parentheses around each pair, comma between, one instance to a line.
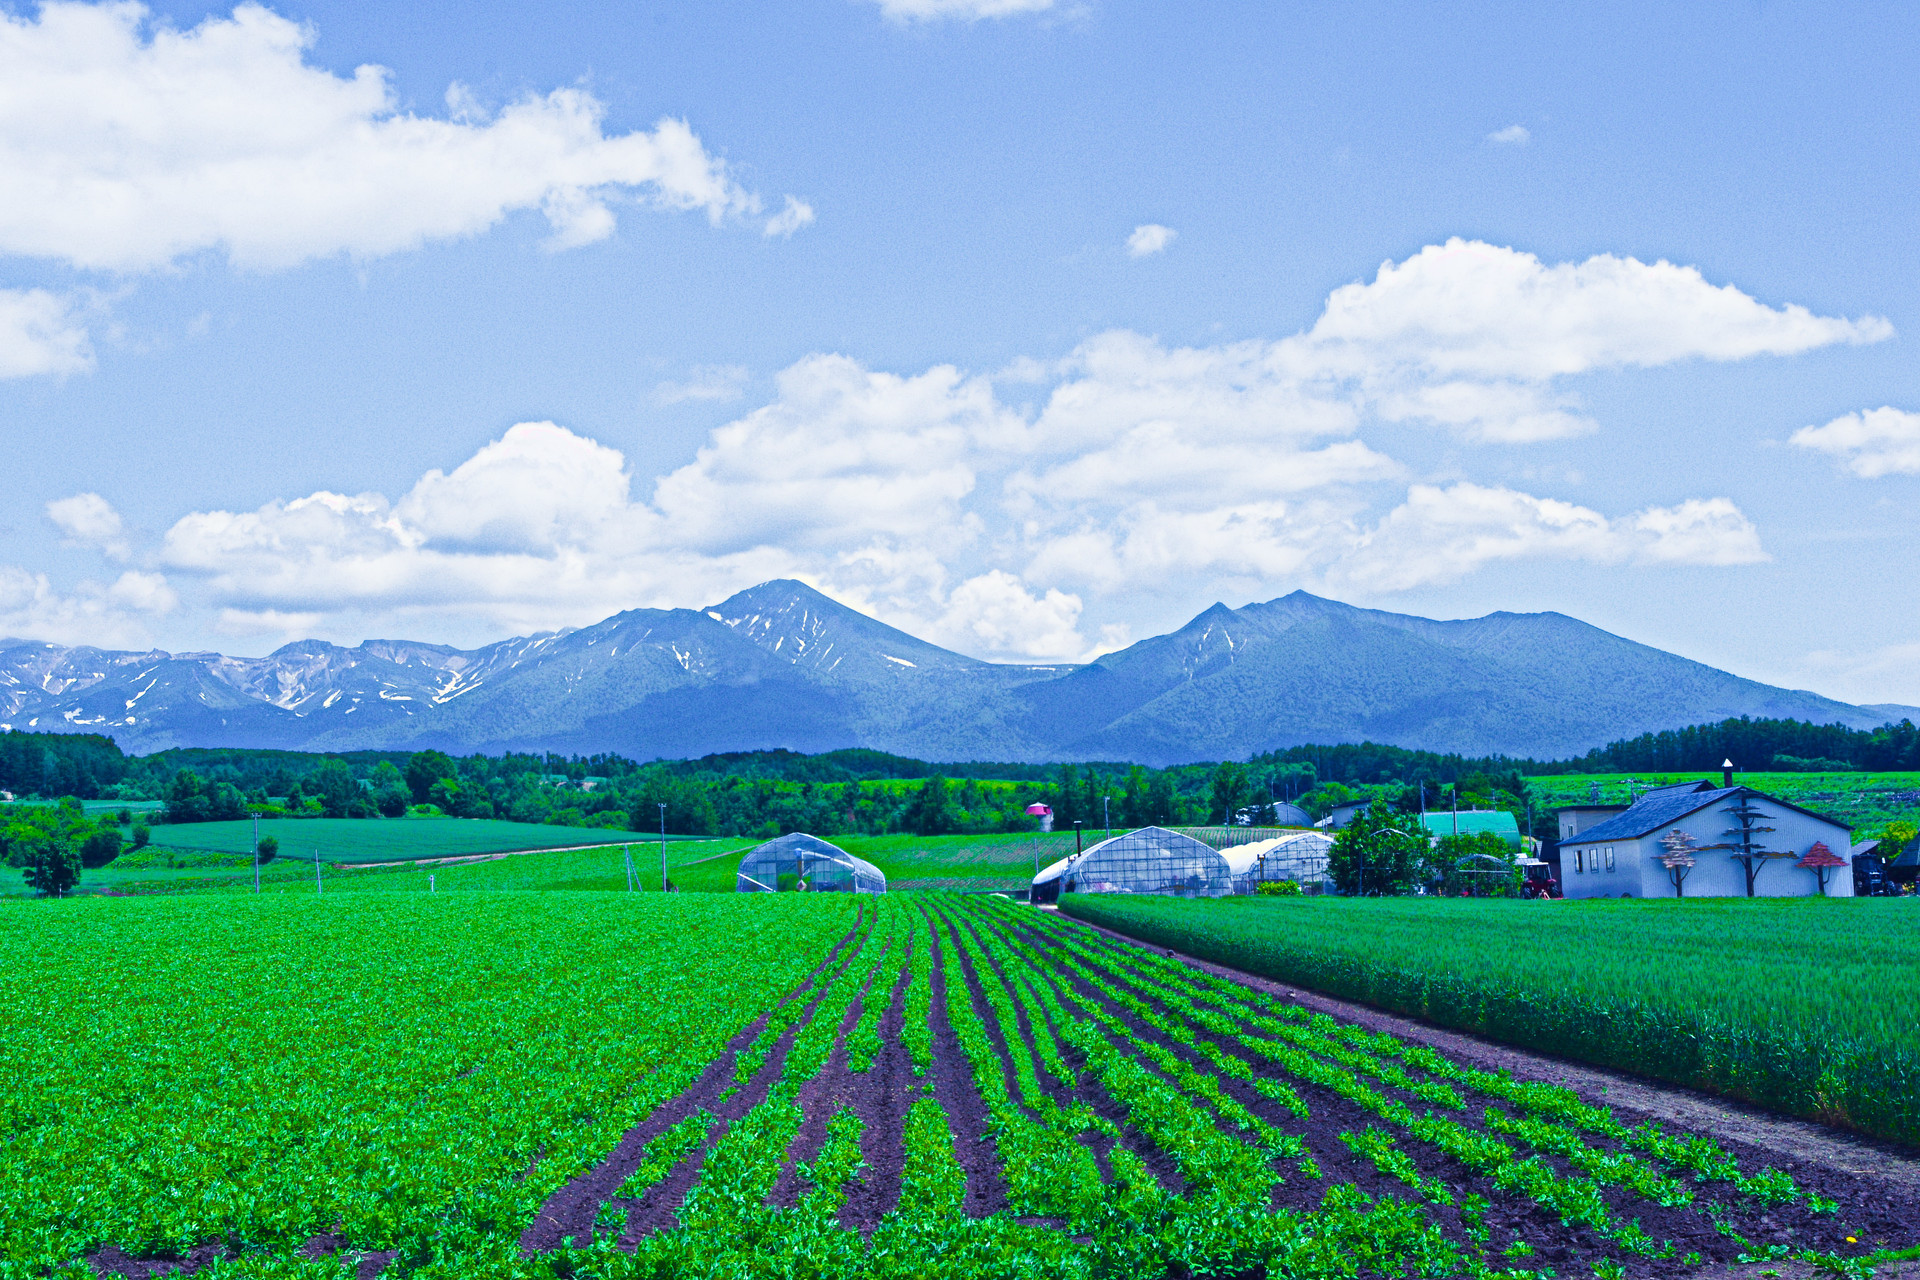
(1730,1122)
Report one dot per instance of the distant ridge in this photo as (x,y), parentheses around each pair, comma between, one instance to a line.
(781,665)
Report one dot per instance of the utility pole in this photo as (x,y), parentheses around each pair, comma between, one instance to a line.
(317,890)
(663,848)
(1076,837)
(256,853)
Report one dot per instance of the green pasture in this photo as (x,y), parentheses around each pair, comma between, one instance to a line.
(1801,1005)
(1862,800)
(352,840)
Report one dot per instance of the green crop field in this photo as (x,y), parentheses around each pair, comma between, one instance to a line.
(611,1086)
(1863,800)
(1801,1005)
(349,840)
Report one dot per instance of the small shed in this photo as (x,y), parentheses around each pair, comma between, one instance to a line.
(1466,822)
(800,863)
(1149,860)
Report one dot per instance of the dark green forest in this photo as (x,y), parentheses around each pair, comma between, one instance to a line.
(871,792)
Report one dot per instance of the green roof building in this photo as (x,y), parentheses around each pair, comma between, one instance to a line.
(1498,822)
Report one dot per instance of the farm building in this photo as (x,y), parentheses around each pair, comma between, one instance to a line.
(1697,840)
(806,864)
(1467,822)
(1149,860)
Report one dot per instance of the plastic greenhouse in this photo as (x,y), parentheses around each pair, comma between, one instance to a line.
(806,864)
(1150,860)
(1300,857)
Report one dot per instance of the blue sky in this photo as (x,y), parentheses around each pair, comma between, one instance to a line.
(1032,330)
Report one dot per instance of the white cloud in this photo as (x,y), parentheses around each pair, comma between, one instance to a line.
(40,334)
(89,520)
(1514,135)
(930,501)
(997,613)
(115,614)
(962,10)
(1473,337)
(1471,310)
(1439,535)
(128,144)
(711,382)
(841,457)
(795,215)
(1874,443)
(1149,239)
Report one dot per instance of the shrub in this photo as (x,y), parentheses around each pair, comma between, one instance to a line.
(100,848)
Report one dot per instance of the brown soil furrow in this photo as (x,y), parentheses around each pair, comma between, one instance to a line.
(571,1210)
(954,1089)
(989,1021)
(821,1098)
(881,1097)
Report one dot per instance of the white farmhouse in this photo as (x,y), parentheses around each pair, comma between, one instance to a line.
(1717,842)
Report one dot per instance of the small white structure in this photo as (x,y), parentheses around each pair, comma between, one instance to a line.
(1697,840)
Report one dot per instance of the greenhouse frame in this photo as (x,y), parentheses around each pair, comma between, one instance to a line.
(800,863)
(1149,860)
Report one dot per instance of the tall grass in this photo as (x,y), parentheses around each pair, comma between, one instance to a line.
(1806,1006)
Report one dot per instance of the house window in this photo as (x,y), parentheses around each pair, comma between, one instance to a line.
(1609,857)
(1579,859)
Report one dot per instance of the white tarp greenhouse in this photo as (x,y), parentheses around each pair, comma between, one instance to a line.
(1299,856)
(1150,860)
(806,864)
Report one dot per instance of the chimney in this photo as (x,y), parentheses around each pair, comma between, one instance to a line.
(1726,773)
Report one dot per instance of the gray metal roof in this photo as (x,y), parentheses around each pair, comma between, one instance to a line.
(1670,804)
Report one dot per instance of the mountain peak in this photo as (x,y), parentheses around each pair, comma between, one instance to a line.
(811,629)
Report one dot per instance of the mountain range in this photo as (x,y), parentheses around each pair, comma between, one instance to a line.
(781,665)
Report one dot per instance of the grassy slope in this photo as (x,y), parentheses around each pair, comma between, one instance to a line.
(1803,1005)
(1860,799)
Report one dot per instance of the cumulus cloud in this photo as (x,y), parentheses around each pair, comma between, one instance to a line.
(1440,535)
(89,520)
(1473,336)
(129,144)
(705,382)
(961,10)
(929,500)
(1514,135)
(1874,443)
(40,333)
(116,614)
(1149,239)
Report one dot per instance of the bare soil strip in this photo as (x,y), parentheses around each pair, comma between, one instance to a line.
(822,1097)
(954,1089)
